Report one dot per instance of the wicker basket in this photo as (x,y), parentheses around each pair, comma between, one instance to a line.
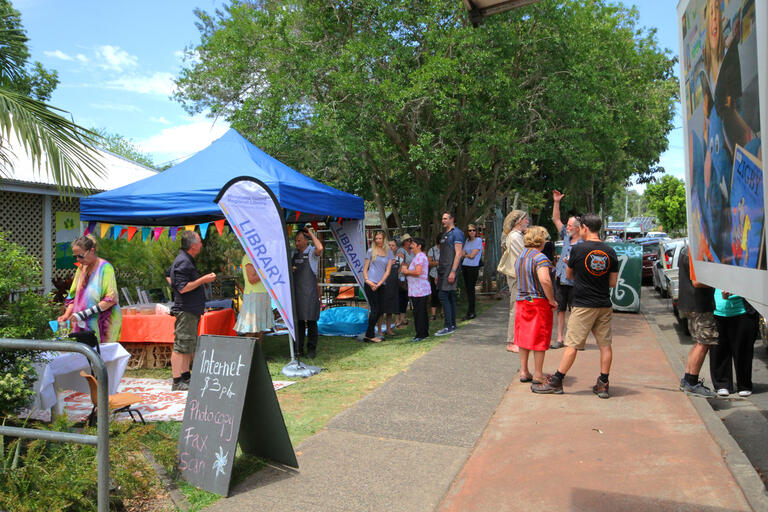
(161,355)
(138,353)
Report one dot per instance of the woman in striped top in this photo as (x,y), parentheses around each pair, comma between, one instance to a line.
(535,302)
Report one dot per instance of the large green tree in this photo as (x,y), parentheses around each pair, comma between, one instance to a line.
(57,146)
(408,105)
(120,145)
(666,198)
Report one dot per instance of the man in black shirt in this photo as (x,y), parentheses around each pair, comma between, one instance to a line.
(594,269)
(696,302)
(188,307)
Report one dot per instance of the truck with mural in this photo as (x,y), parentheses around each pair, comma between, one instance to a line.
(724,105)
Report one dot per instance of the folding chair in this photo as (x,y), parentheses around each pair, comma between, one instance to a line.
(127,296)
(119,402)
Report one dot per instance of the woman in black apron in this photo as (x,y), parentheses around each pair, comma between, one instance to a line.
(305,293)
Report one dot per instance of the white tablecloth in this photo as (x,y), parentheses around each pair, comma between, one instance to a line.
(62,371)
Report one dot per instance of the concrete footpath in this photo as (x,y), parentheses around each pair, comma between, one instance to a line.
(458,432)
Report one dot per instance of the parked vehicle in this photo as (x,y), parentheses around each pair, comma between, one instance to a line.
(673,285)
(650,255)
(668,253)
(656,234)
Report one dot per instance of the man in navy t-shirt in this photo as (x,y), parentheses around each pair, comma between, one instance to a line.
(594,269)
(451,245)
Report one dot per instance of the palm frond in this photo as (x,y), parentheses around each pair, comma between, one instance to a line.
(57,146)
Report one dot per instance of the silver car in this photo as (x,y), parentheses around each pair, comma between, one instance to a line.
(669,252)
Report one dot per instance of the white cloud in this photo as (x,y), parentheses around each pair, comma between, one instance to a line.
(160,120)
(82,58)
(57,54)
(181,142)
(160,83)
(116,106)
(114,59)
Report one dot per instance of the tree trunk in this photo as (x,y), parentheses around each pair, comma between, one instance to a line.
(379,203)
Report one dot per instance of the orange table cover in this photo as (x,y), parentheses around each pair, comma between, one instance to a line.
(159,328)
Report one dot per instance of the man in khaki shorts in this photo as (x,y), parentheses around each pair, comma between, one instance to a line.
(594,269)
(188,307)
(696,302)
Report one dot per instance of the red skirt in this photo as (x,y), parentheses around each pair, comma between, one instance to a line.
(533,324)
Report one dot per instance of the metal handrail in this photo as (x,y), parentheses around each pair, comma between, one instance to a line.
(101,439)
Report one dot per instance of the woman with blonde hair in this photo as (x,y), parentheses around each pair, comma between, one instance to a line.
(376,269)
(92,302)
(535,302)
(514,225)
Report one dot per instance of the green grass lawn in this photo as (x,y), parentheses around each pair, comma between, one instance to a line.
(351,369)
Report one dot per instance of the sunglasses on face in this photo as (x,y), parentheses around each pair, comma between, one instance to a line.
(471,230)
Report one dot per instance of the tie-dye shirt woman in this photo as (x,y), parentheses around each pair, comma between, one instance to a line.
(88,290)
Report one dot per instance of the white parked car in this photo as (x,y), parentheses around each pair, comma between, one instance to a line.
(669,252)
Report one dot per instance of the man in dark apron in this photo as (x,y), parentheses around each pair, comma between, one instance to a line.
(304,261)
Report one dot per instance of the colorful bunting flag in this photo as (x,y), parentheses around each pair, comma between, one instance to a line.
(116,232)
(104,229)
(172,232)
(91,227)
(158,232)
(220,226)
(298,214)
(190,227)
(122,233)
(204,229)
(131,232)
(315,224)
(145,232)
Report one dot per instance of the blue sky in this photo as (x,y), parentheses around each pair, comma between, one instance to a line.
(116,60)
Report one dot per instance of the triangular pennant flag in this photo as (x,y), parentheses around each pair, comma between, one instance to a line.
(158,232)
(298,214)
(145,233)
(103,229)
(87,231)
(190,227)
(315,224)
(116,232)
(123,231)
(131,232)
(339,221)
(91,227)
(172,232)
(204,229)
(220,226)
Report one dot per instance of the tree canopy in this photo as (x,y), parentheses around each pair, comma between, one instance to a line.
(120,145)
(666,198)
(409,106)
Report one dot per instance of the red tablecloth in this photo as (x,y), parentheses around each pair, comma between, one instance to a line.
(159,328)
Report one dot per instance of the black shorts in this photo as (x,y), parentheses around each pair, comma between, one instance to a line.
(563,296)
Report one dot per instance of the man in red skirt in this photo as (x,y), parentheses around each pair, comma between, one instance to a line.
(594,269)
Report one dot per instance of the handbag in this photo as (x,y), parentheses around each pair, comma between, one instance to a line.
(506,264)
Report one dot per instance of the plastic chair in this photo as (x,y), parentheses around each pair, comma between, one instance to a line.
(119,402)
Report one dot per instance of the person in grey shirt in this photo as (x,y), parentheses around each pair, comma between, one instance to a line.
(378,264)
(571,235)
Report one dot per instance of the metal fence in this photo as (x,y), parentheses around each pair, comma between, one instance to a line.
(101,439)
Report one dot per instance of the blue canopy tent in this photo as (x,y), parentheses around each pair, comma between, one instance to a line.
(185,193)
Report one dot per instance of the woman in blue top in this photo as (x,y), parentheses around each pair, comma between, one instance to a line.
(470,267)
(737,328)
(377,267)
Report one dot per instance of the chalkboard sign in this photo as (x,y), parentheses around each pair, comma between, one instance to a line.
(231,399)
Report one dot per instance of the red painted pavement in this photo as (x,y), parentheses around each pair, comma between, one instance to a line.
(645,448)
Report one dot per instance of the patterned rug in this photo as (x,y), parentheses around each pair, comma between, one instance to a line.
(158,403)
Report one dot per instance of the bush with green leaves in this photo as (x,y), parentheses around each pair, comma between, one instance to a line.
(26,317)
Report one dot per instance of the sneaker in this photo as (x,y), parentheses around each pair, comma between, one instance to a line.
(723,392)
(745,393)
(699,389)
(416,339)
(180,386)
(556,345)
(601,389)
(445,330)
(552,385)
